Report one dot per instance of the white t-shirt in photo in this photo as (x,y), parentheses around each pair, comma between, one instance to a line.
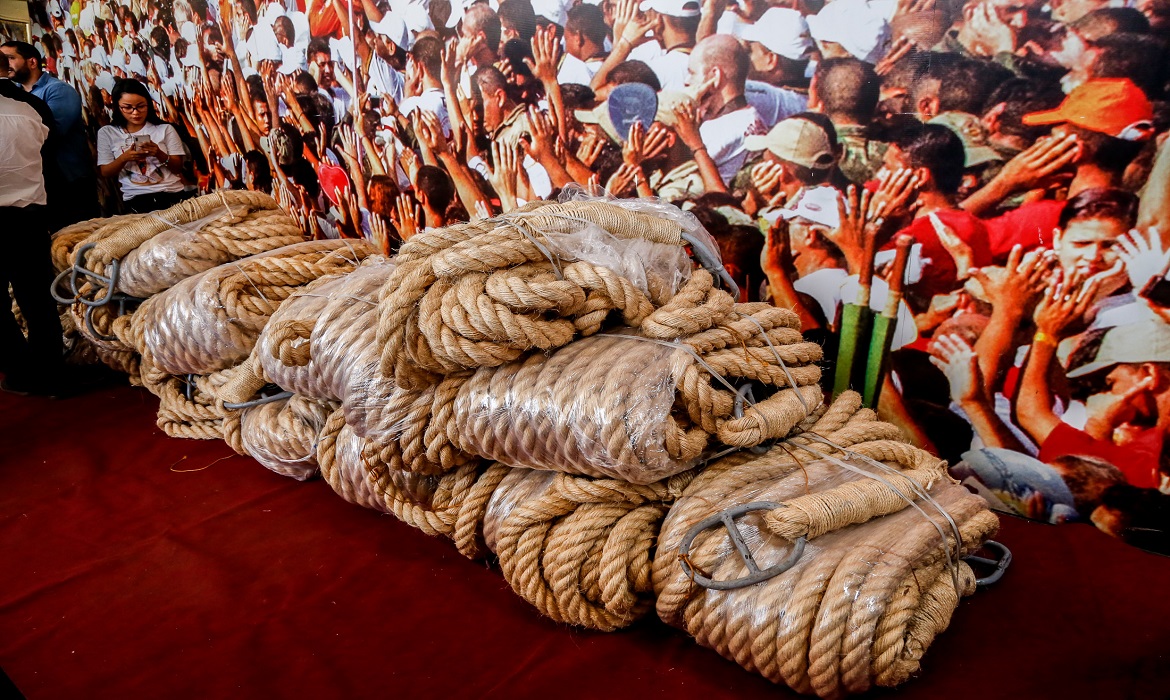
(724,138)
(432,100)
(152,175)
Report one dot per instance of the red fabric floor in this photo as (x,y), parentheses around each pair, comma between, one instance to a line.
(122,578)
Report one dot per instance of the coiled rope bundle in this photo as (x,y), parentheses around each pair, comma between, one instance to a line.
(281,435)
(484,293)
(877,581)
(211,320)
(612,406)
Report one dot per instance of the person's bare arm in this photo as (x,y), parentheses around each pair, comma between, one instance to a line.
(774,260)
(687,128)
(630,27)
(545,52)
(542,147)
(958,361)
(1063,305)
(1013,292)
(712,11)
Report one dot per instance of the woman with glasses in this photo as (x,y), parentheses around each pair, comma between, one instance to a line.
(142,151)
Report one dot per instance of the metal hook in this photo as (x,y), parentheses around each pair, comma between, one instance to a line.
(1000,563)
(259,401)
(711,261)
(725,518)
(745,393)
(110,281)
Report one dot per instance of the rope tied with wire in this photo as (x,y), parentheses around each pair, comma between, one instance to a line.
(160,249)
(625,406)
(482,294)
(869,593)
(210,321)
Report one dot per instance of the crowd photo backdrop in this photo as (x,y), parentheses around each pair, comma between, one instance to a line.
(1019,145)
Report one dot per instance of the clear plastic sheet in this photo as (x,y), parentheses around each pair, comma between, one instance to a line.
(597,407)
(343,314)
(520,486)
(186,249)
(211,321)
(345,470)
(856,609)
(282,435)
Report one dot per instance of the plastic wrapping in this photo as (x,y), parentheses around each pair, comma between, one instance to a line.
(339,454)
(519,487)
(342,316)
(183,249)
(211,321)
(600,406)
(282,435)
(857,609)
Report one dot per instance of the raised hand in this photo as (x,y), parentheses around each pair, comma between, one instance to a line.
(506,165)
(407,214)
(1018,286)
(766,176)
(632,150)
(622,181)
(1143,256)
(545,54)
(957,360)
(687,125)
(380,233)
(1035,165)
(856,234)
(347,142)
(1065,305)
(543,134)
(481,210)
(899,49)
(410,165)
(986,33)
(895,196)
(590,148)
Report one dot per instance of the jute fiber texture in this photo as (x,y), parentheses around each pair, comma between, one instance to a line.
(875,584)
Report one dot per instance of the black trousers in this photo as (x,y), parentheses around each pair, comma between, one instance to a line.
(27,266)
(145,203)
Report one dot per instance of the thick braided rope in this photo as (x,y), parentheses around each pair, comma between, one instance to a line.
(610,406)
(210,321)
(320,341)
(160,249)
(862,604)
(437,315)
(66,241)
(580,549)
(282,435)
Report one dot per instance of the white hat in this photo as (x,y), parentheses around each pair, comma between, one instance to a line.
(1148,341)
(413,14)
(341,51)
(860,29)
(552,10)
(674,8)
(818,205)
(265,47)
(105,81)
(781,31)
(189,31)
(393,28)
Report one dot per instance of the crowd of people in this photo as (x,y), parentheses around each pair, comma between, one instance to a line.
(1020,145)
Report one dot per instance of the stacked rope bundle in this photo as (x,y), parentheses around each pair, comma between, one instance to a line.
(484,293)
(453,505)
(615,405)
(281,435)
(879,577)
(158,250)
(210,321)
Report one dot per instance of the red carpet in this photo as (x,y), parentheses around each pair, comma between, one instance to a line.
(122,578)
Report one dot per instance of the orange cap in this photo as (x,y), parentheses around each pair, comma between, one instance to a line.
(1113,106)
